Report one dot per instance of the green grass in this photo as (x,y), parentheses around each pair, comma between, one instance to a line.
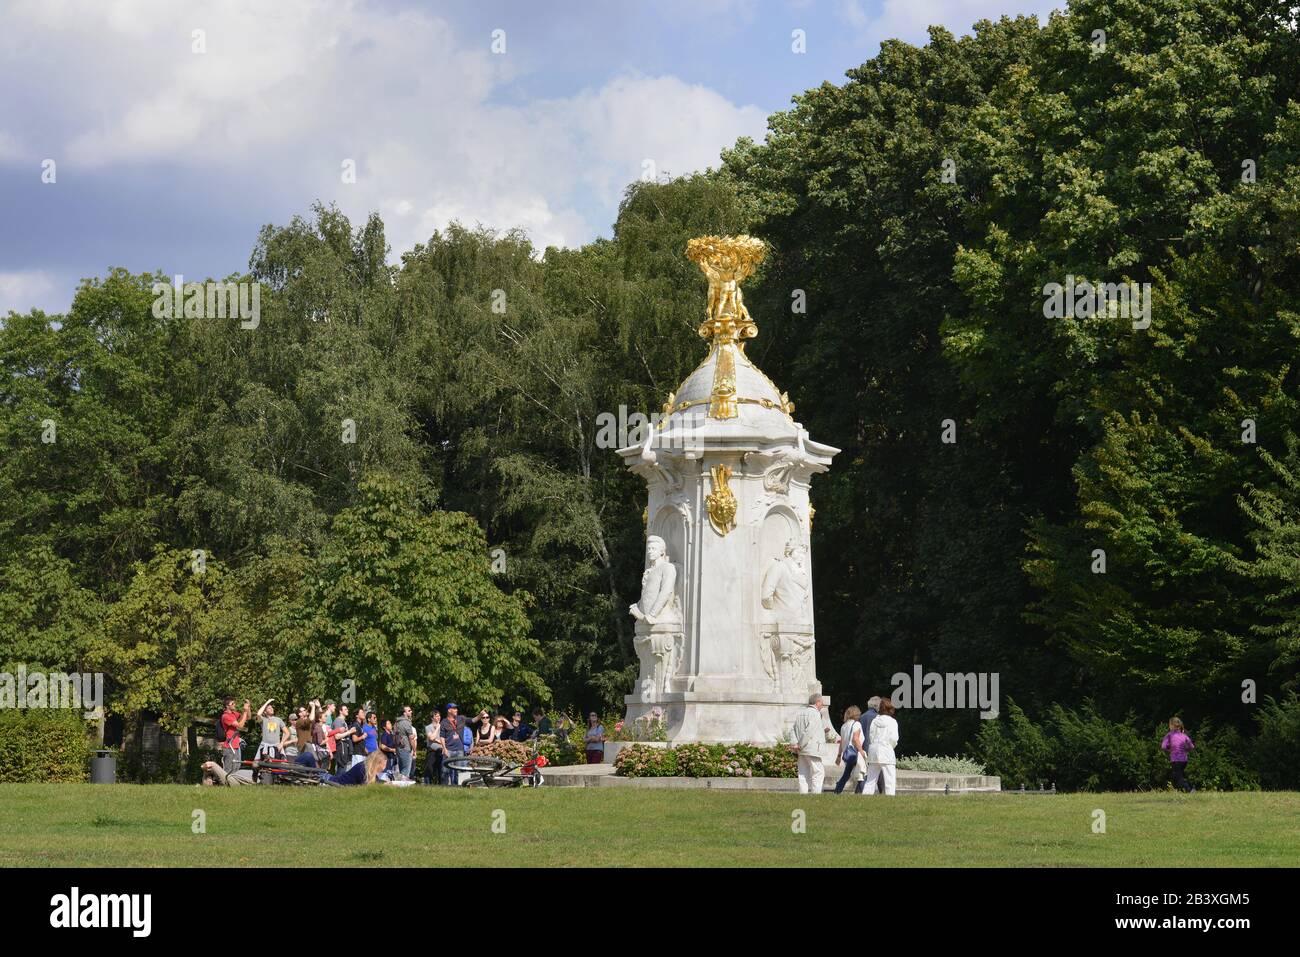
(125,825)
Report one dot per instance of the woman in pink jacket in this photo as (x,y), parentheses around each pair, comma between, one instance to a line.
(1177,743)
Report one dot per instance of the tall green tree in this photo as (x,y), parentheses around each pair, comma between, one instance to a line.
(402,609)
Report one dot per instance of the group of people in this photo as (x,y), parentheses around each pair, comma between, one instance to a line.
(359,748)
(865,742)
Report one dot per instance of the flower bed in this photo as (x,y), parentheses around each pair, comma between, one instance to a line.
(943,763)
(705,761)
(515,752)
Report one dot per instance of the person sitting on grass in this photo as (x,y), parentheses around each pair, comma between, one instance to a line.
(1177,743)
(367,772)
(214,775)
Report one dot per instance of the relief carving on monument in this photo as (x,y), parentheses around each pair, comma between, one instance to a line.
(786,641)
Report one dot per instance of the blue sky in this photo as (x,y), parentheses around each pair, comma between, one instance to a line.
(168,158)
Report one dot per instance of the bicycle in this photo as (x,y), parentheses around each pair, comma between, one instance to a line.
(287,772)
(489,772)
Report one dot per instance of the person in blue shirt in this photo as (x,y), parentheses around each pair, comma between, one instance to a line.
(371,731)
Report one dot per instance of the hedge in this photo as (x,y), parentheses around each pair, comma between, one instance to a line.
(1081,750)
(40,747)
(706,761)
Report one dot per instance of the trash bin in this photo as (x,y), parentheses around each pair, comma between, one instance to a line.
(103,768)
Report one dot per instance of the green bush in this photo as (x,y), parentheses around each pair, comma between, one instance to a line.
(560,751)
(1217,760)
(706,761)
(515,752)
(1016,749)
(1274,747)
(640,761)
(165,766)
(39,747)
(941,763)
(1092,753)
(1080,750)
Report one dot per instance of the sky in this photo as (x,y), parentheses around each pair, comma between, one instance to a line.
(170,149)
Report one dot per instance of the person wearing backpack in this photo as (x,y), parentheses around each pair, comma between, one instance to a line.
(850,745)
(229,723)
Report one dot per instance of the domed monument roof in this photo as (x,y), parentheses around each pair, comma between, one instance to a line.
(727,400)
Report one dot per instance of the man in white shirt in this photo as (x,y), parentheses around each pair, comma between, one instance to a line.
(809,736)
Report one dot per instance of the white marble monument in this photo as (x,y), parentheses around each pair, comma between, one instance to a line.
(724,623)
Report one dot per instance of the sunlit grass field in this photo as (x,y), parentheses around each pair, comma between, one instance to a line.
(145,826)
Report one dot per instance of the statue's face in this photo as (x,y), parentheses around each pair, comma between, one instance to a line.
(654,551)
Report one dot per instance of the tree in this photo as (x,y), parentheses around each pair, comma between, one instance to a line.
(403,609)
(166,644)
(47,619)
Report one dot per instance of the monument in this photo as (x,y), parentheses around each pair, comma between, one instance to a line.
(724,623)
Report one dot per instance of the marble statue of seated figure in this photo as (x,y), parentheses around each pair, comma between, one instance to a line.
(658,603)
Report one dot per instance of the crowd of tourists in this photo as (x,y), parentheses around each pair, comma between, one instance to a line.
(358,747)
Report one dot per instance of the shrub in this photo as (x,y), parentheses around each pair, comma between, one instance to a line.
(38,747)
(1273,751)
(516,752)
(1080,750)
(1015,748)
(639,761)
(941,763)
(1218,760)
(165,766)
(560,751)
(706,761)
(1092,753)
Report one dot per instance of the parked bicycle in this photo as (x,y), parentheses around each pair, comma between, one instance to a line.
(481,771)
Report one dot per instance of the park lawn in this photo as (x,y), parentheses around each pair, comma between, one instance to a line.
(151,825)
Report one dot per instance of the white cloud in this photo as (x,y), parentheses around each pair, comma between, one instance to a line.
(910,20)
(25,290)
(286,97)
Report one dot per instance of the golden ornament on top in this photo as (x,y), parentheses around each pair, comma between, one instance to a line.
(727,261)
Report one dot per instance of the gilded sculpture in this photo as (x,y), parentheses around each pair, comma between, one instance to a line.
(721,502)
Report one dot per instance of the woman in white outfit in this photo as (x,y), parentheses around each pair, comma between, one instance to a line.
(882,738)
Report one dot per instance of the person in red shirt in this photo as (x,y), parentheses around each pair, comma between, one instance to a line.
(232,722)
